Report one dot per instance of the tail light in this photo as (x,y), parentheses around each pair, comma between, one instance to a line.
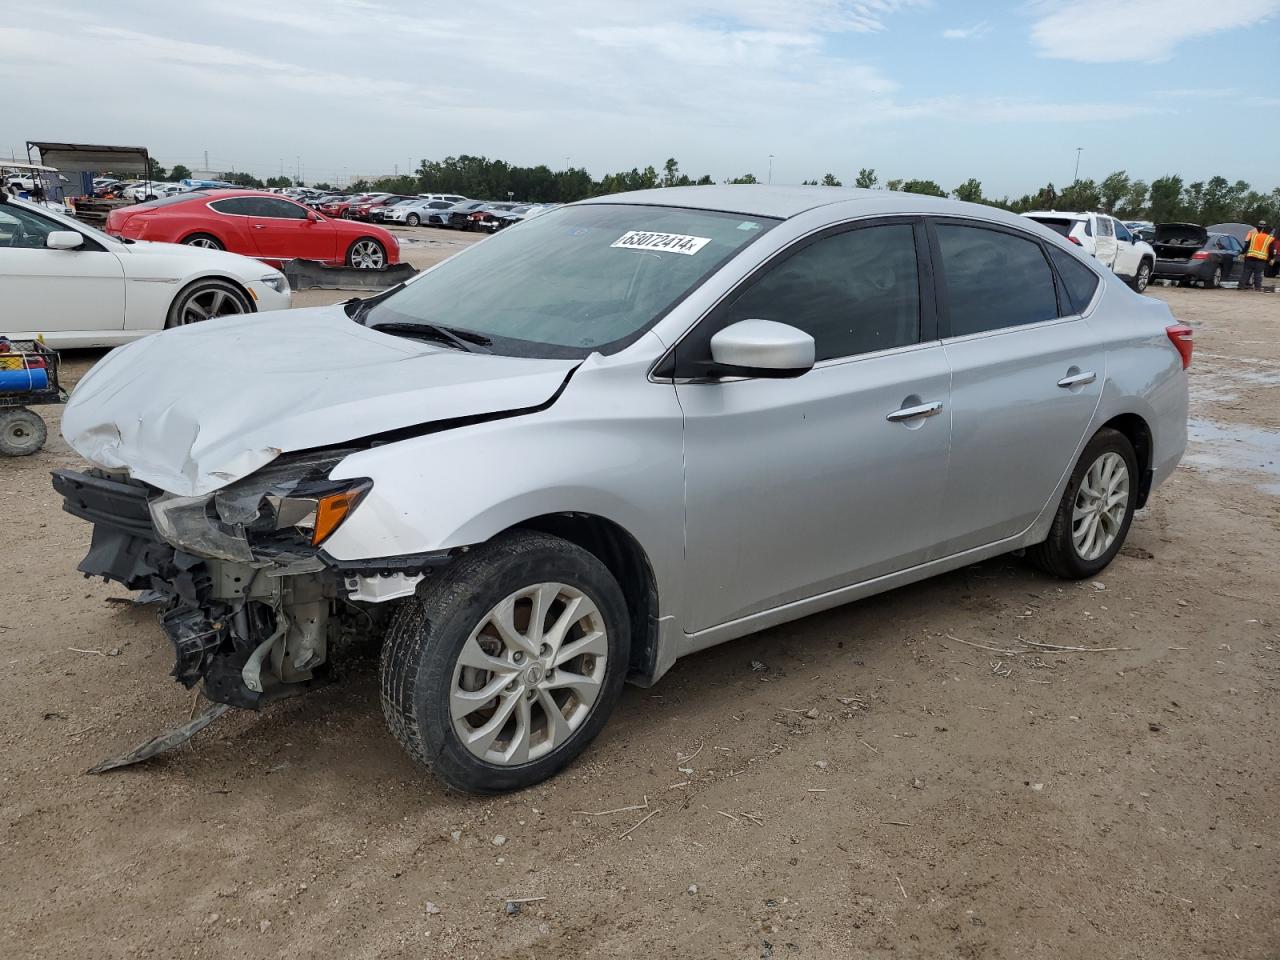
(1200,255)
(1076,241)
(1182,338)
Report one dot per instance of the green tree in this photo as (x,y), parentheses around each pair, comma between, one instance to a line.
(829,180)
(1081,195)
(745,178)
(322,186)
(157,171)
(179,172)
(1166,199)
(279,182)
(246,180)
(866,178)
(808,183)
(1134,204)
(926,187)
(1113,190)
(670,172)
(970,190)
(705,180)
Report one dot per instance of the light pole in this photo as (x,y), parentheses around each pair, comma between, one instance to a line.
(770,180)
(1076,178)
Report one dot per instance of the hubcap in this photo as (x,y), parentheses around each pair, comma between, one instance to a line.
(204,304)
(366,255)
(529,674)
(203,242)
(1101,504)
(1144,277)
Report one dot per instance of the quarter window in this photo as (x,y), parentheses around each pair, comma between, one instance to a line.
(994,279)
(1078,281)
(234,206)
(1104,227)
(853,292)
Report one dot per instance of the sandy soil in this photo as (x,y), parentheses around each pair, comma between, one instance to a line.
(942,801)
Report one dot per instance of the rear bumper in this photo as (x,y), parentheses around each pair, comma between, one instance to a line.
(1182,269)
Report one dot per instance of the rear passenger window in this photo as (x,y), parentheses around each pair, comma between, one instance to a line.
(994,280)
(853,292)
(234,206)
(1078,281)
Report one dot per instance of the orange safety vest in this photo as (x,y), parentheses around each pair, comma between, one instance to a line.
(1259,244)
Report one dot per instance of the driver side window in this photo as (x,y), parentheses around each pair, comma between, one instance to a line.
(853,292)
(23,228)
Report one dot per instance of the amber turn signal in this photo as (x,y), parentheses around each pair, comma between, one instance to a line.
(333,508)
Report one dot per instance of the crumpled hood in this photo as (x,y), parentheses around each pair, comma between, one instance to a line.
(196,408)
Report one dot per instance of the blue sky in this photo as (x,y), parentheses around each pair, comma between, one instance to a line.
(1004,92)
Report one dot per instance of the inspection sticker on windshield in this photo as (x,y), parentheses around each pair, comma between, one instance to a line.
(669,242)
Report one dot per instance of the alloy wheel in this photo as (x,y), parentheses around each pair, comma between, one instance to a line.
(207,243)
(1144,277)
(213,302)
(367,255)
(1101,504)
(529,674)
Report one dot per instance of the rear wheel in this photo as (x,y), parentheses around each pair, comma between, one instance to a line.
(367,254)
(1214,280)
(204,300)
(1095,512)
(22,432)
(504,667)
(208,241)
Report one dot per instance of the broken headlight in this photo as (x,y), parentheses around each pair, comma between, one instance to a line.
(318,510)
(189,524)
(276,282)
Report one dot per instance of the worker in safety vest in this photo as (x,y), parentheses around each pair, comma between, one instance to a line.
(1257,251)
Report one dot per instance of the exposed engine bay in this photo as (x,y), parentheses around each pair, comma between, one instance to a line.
(251,603)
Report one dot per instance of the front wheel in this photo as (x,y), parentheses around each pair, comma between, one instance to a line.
(503,668)
(367,254)
(413,220)
(1142,279)
(204,300)
(1095,512)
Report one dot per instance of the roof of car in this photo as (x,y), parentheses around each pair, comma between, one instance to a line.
(1061,214)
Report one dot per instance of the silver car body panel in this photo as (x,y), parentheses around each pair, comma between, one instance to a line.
(754,501)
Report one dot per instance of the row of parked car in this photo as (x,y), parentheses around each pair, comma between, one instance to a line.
(430,209)
(1140,251)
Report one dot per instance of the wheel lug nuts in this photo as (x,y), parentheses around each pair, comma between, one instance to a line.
(530,694)
(512,686)
(544,650)
(517,657)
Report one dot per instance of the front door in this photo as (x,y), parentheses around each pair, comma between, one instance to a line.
(1104,241)
(55,291)
(1027,375)
(283,230)
(799,486)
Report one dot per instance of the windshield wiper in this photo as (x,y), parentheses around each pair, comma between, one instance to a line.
(462,339)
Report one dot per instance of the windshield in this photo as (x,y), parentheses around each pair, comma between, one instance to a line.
(573,281)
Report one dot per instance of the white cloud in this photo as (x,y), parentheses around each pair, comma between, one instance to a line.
(1115,31)
(975,32)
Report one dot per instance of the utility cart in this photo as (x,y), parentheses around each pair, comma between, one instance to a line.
(28,377)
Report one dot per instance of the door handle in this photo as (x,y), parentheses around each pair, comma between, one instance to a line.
(259,226)
(915,413)
(1078,379)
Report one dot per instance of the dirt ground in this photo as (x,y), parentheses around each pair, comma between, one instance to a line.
(873,789)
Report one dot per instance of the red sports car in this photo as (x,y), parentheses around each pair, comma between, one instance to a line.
(263,225)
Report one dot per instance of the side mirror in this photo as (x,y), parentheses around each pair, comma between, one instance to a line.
(313,216)
(63,240)
(761,348)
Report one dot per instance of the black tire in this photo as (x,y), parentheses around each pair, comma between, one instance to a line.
(206,240)
(413,219)
(420,653)
(1214,280)
(346,214)
(1142,279)
(1057,554)
(22,432)
(210,297)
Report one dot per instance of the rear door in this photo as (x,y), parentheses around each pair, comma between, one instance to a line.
(1128,256)
(1027,374)
(799,486)
(284,230)
(1104,241)
(55,291)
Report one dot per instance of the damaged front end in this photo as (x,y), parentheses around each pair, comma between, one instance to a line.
(251,603)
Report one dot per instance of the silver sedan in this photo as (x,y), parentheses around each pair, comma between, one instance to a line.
(618,433)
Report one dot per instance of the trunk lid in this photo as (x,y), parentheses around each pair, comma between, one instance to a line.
(194,409)
(1178,241)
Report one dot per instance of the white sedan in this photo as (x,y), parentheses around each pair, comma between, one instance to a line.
(81,288)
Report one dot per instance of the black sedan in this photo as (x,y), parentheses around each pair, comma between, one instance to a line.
(1189,253)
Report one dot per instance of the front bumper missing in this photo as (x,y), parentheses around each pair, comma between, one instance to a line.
(253,629)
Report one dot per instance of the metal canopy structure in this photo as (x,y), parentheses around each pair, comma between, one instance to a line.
(78,157)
